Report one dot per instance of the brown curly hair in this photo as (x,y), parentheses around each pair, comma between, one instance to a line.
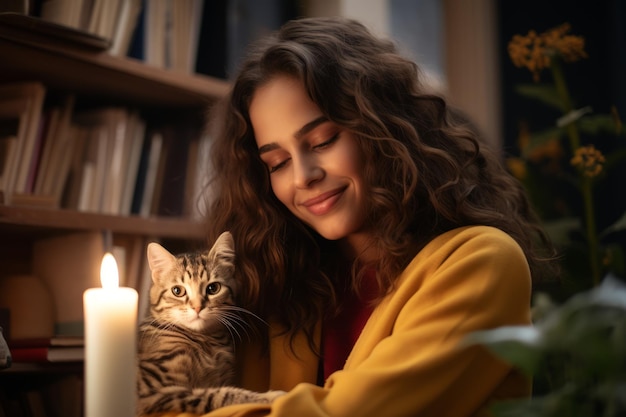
(427,172)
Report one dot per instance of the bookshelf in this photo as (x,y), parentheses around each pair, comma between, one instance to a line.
(16,219)
(69,62)
(84,69)
(90,72)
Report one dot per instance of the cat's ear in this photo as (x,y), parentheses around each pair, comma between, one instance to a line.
(160,259)
(223,249)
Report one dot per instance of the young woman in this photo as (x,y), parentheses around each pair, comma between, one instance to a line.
(373,231)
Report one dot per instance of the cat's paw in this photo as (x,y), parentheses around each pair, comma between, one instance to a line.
(272,395)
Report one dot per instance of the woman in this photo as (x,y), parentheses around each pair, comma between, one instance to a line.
(367,222)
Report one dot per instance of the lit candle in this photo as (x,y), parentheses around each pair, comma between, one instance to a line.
(110,345)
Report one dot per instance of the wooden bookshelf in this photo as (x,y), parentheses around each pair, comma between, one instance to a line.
(75,62)
(68,62)
(86,70)
(27,219)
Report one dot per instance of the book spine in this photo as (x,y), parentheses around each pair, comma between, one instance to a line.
(29,354)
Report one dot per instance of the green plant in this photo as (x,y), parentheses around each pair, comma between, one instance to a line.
(570,157)
(580,350)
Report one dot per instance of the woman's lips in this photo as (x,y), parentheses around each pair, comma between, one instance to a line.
(323,203)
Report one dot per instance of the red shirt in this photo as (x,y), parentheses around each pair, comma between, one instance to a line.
(341,332)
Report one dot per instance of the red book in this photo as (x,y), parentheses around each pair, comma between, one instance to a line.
(55,349)
(48,354)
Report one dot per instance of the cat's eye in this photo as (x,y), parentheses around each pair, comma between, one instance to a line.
(213,288)
(178,290)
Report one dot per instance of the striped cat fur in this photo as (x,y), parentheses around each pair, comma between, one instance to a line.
(186,360)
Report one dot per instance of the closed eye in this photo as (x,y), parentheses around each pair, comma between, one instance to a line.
(327,143)
(278,166)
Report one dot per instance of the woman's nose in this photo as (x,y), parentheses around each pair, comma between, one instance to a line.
(306,171)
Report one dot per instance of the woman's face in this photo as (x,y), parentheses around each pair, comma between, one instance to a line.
(316,167)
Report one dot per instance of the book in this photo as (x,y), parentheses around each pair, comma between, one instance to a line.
(35,93)
(128,19)
(132,155)
(36,154)
(169,196)
(56,144)
(12,130)
(75,176)
(60,341)
(156,27)
(184,34)
(154,163)
(27,99)
(48,354)
(62,12)
(112,128)
(197,191)
(171,33)
(108,19)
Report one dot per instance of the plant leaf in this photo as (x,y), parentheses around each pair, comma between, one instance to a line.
(559,230)
(546,93)
(619,225)
(540,138)
(599,123)
(518,345)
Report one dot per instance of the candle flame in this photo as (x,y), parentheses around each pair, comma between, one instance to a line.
(109,276)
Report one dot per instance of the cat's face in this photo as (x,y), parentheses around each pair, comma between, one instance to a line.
(193,290)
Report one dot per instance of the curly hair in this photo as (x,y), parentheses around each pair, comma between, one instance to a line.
(427,172)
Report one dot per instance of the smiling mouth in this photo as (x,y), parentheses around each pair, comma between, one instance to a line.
(323,203)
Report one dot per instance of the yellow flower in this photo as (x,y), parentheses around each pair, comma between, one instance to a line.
(550,151)
(588,160)
(517,167)
(534,51)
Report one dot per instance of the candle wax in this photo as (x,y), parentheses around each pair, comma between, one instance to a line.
(110,351)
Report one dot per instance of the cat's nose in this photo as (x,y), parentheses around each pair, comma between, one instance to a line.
(197,309)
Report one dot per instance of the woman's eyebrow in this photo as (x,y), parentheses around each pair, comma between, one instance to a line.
(301,132)
(310,126)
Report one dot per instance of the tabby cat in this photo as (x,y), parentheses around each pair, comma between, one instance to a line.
(186,354)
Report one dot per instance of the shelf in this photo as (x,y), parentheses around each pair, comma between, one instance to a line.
(89,71)
(67,220)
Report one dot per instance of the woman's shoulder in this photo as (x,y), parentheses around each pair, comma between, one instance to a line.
(470,248)
(470,238)
(472,259)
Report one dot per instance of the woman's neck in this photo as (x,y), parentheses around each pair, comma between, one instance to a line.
(359,245)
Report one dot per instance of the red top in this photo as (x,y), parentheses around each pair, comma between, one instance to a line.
(342,331)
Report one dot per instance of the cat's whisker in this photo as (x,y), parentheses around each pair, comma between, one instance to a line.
(234,320)
(243,310)
(230,328)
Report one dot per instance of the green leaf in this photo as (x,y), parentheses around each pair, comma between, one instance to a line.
(598,123)
(542,137)
(560,230)
(518,345)
(546,93)
(614,257)
(614,158)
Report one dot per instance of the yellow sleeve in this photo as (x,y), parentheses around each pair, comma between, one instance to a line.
(407,361)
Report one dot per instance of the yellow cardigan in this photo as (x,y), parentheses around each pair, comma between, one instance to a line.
(407,361)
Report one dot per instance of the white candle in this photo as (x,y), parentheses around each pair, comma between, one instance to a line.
(110,346)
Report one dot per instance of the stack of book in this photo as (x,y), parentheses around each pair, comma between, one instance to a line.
(164,33)
(54,349)
(103,160)
(114,20)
